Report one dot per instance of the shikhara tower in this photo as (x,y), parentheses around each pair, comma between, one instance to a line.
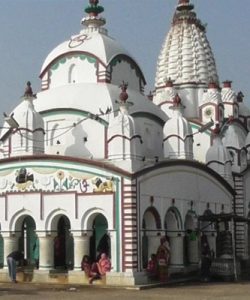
(89,164)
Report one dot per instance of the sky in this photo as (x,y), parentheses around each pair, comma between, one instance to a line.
(31,29)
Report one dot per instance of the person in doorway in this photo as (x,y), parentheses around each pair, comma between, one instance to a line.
(163,257)
(12,259)
(206,260)
(104,264)
(90,270)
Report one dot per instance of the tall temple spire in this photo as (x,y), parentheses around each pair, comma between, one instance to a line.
(93,19)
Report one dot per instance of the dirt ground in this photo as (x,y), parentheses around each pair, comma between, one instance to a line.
(191,291)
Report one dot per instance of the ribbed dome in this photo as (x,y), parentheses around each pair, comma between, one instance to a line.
(186,55)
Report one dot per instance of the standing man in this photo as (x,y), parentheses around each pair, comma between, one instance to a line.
(12,259)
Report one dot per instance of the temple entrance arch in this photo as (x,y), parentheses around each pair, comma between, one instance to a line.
(151,226)
(63,244)
(100,240)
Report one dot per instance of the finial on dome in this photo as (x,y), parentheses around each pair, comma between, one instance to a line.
(123,103)
(93,10)
(124,95)
(28,91)
(240,97)
(184,5)
(216,130)
(212,85)
(227,84)
(177,101)
(230,119)
(150,96)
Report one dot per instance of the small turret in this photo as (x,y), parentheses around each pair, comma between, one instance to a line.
(28,138)
(177,134)
(217,157)
(124,143)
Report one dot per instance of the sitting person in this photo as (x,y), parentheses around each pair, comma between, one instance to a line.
(104,264)
(90,270)
(152,269)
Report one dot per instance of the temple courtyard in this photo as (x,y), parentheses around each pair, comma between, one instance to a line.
(189,291)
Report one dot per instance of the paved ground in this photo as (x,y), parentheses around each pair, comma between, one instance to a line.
(191,291)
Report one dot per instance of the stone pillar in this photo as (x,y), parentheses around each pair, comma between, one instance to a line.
(176,249)
(113,250)
(10,244)
(46,247)
(81,248)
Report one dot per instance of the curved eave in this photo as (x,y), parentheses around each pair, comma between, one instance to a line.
(130,60)
(48,66)
(186,163)
(62,159)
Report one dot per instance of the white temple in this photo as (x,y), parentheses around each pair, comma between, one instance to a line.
(92,164)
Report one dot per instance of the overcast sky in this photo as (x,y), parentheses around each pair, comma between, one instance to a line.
(30,29)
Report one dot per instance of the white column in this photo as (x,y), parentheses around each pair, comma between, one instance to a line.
(113,250)
(46,247)
(81,248)
(10,244)
(176,249)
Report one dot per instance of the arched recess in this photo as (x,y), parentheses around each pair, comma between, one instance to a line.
(173,221)
(174,231)
(25,228)
(100,240)
(63,243)
(151,225)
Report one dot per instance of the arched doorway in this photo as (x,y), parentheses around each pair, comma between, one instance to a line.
(63,245)
(174,231)
(151,225)
(100,240)
(27,239)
